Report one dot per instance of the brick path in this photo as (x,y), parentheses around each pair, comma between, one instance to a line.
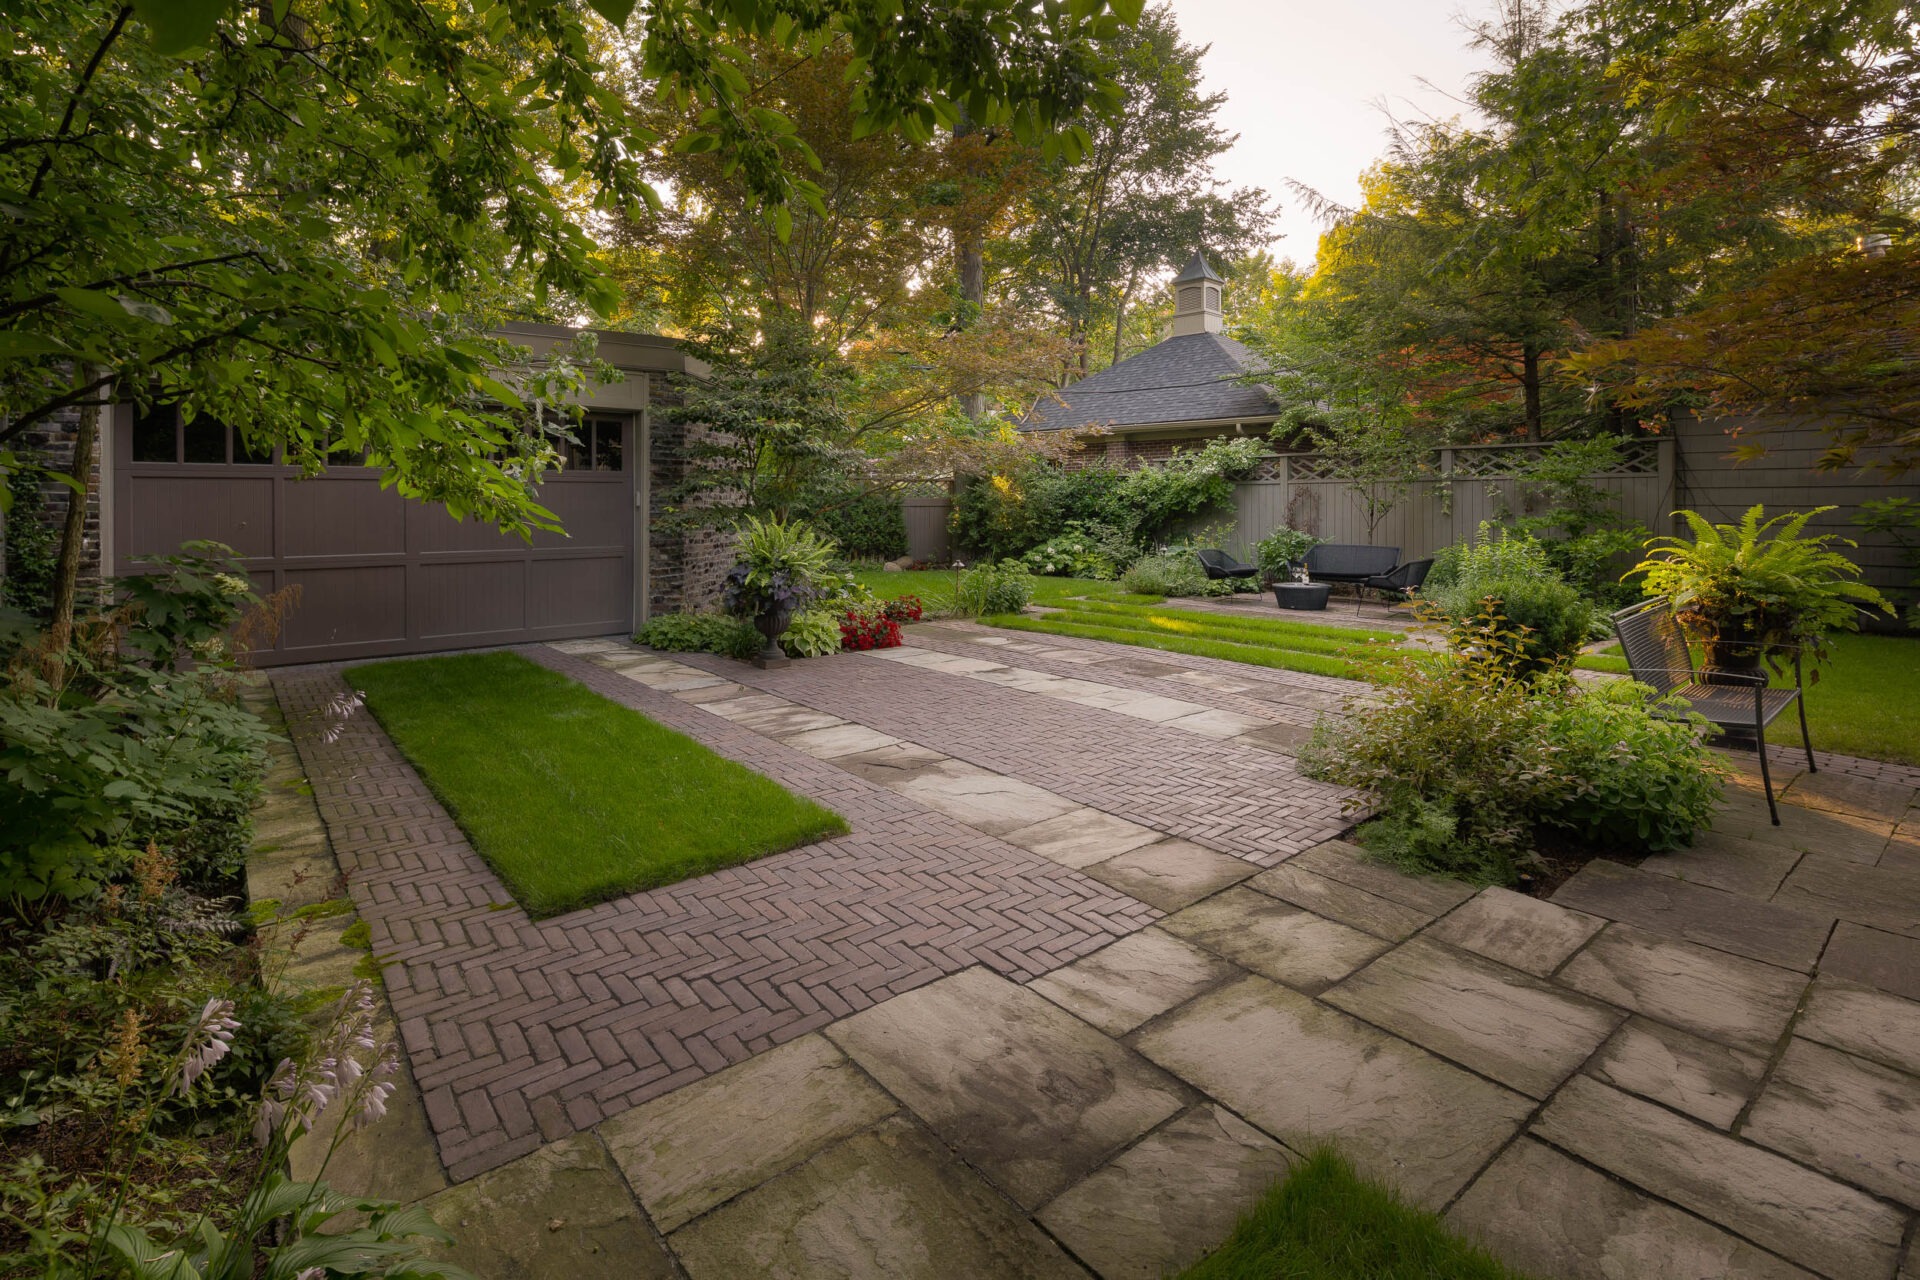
(1231,797)
(521,1032)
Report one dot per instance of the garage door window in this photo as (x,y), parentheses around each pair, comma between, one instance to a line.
(599,445)
(162,435)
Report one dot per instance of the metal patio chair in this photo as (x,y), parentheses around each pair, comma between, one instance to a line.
(1658,656)
(1396,584)
(1219,565)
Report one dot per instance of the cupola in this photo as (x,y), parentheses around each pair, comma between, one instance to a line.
(1196,299)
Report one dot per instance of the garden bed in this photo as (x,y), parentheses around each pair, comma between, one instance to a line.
(572,798)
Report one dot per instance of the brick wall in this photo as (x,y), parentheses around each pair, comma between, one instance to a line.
(51,444)
(687,563)
(1128,451)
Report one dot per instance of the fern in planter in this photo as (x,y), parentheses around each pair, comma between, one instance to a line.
(1759,587)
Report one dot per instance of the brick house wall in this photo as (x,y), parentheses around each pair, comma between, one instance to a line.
(51,444)
(687,563)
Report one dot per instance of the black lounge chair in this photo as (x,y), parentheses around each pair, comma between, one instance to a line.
(1349,562)
(1219,565)
(1658,656)
(1396,584)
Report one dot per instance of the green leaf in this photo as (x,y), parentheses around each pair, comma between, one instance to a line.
(181,26)
(614,11)
(101,306)
(18,342)
(1128,11)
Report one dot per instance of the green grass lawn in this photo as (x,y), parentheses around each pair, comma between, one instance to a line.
(571,798)
(935,587)
(1866,703)
(1326,1223)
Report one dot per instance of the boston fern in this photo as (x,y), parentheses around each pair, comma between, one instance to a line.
(781,563)
(1759,584)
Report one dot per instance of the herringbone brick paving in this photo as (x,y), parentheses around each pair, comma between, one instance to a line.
(1232,797)
(521,1032)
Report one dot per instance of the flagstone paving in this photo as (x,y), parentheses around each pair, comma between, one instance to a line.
(1092,968)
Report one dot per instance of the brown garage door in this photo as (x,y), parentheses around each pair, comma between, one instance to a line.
(379,574)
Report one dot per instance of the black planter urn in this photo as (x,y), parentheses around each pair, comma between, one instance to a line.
(772,624)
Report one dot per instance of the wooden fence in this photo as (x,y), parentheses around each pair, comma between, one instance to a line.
(927,535)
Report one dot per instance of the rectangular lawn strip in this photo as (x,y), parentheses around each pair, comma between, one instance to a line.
(1866,702)
(1252,655)
(1281,630)
(1327,1223)
(572,798)
(935,587)
(1160,622)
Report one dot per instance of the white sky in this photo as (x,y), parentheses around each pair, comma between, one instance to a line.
(1305,82)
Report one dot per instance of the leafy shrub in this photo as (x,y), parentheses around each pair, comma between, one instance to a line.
(1003,588)
(1281,550)
(1637,780)
(1069,555)
(1463,761)
(33,547)
(1510,576)
(1171,574)
(1582,530)
(701,633)
(867,628)
(868,526)
(815,633)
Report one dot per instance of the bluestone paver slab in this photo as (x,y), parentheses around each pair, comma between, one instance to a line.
(1873,958)
(1172,1198)
(1307,1073)
(1546,1215)
(1844,793)
(1752,868)
(1081,837)
(1862,1021)
(1511,1026)
(887,765)
(1277,939)
(987,801)
(1693,913)
(1349,863)
(887,1204)
(1854,1118)
(1286,739)
(1805,1216)
(1724,997)
(1341,901)
(1027,1093)
(1707,1080)
(839,740)
(560,1211)
(1139,977)
(698,1146)
(1884,897)
(1172,873)
(1215,723)
(1520,932)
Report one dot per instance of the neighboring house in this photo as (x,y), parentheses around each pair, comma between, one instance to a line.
(1186,388)
(380,574)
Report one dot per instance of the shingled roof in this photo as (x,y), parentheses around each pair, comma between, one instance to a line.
(1190,378)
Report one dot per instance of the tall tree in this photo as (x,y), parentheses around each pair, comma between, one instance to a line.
(1144,196)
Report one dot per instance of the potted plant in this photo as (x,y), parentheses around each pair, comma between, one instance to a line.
(780,571)
(1282,554)
(1758,589)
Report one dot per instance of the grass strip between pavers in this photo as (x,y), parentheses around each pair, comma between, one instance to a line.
(1281,630)
(1252,655)
(1327,1223)
(572,798)
(1163,622)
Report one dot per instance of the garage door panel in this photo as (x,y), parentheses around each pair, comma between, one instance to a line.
(471,599)
(341,516)
(352,604)
(594,513)
(167,510)
(430,529)
(568,593)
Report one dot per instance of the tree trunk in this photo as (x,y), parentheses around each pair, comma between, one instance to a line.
(1120,314)
(66,579)
(970,258)
(1530,387)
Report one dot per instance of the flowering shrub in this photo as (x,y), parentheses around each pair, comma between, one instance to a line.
(868,628)
(908,608)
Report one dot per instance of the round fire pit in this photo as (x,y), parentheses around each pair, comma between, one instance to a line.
(1305,596)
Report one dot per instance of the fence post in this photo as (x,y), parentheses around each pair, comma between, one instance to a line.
(1665,450)
(1446,490)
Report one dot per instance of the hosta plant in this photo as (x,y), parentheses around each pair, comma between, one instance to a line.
(1759,588)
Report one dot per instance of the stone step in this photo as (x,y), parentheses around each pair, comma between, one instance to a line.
(1694,913)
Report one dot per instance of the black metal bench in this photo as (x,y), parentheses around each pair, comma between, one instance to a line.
(1349,562)
(1219,565)
(1658,656)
